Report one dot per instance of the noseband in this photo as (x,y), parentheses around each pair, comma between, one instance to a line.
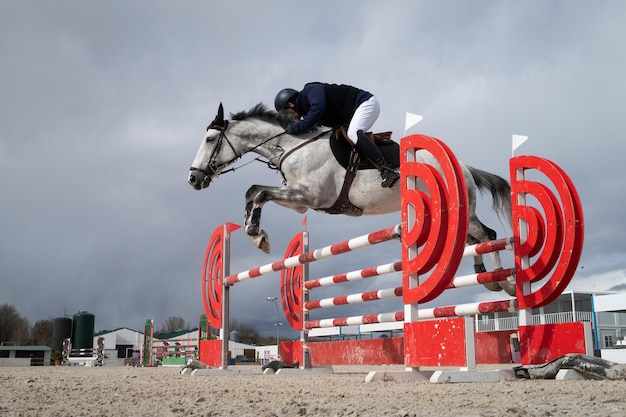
(212,170)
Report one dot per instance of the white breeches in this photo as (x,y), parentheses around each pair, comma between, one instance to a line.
(364,118)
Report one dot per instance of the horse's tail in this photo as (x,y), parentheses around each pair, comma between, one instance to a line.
(498,187)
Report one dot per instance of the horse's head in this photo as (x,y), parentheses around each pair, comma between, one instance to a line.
(215,153)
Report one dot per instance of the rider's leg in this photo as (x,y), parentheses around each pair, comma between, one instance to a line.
(369,150)
(363,119)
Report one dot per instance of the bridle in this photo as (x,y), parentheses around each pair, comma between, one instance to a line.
(212,170)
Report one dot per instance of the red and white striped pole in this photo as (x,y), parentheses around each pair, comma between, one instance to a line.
(323,253)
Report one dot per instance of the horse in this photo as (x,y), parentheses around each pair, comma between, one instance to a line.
(312,178)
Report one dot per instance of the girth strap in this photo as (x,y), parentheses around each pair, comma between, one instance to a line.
(343,205)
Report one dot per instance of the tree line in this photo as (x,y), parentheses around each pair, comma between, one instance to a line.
(247,334)
(15,329)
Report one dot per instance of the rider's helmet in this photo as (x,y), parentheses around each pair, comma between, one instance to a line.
(283,97)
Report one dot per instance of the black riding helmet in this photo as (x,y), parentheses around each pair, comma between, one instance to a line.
(283,97)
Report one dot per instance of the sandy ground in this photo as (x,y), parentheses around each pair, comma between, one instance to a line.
(127,391)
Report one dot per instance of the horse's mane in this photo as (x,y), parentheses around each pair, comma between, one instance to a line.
(259,111)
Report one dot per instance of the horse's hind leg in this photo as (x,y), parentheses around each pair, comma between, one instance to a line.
(479,266)
(477,233)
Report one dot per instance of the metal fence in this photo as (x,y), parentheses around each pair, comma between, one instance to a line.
(512,323)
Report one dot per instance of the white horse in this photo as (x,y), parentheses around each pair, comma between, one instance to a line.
(312,178)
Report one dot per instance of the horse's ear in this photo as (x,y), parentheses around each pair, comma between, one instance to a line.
(220,115)
(219,119)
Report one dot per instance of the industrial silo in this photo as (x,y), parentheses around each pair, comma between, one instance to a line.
(234,336)
(82,334)
(61,330)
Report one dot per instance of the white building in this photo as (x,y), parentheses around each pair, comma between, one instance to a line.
(119,344)
(610,322)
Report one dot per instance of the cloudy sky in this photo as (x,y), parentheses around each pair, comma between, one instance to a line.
(104,105)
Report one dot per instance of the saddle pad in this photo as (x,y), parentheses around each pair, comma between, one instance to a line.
(341,149)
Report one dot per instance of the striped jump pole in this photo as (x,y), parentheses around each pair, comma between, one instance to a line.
(370,239)
(354,275)
(459,310)
(457,282)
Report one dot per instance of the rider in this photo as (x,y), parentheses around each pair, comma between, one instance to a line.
(334,105)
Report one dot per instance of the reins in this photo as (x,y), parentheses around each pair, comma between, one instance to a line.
(211,169)
(303,144)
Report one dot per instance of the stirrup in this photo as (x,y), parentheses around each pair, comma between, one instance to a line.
(390,177)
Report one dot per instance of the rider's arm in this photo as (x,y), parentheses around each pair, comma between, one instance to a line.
(315,94)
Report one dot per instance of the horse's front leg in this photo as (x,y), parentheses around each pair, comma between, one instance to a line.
(257,195)
(255,198)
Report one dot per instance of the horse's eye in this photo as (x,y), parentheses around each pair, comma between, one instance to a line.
(209,139)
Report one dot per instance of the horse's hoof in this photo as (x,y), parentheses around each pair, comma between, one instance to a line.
(262,241)
(265,247)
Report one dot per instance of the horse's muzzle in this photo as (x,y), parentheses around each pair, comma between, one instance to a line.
(199,180)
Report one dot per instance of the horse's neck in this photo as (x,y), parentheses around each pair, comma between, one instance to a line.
(274,144)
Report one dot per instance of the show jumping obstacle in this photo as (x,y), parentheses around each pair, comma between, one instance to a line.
(173,352)
(547,244)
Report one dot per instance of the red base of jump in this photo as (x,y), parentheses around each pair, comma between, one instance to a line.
(436,343)
(539,344)
(491,347)
(210,352)
(543,343)
(494,347)
(444,345)
(381,351)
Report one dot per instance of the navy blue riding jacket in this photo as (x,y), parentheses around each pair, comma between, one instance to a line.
(327,104)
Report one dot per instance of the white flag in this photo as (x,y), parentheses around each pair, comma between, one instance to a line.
(411,120)
(518,140)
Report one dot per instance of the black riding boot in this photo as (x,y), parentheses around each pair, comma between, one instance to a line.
(369,150)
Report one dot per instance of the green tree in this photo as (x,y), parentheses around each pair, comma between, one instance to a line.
(42,333)
(174,324)
(13,327)
(247,334)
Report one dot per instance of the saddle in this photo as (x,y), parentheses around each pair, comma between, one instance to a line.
(348,157)
(343,148)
